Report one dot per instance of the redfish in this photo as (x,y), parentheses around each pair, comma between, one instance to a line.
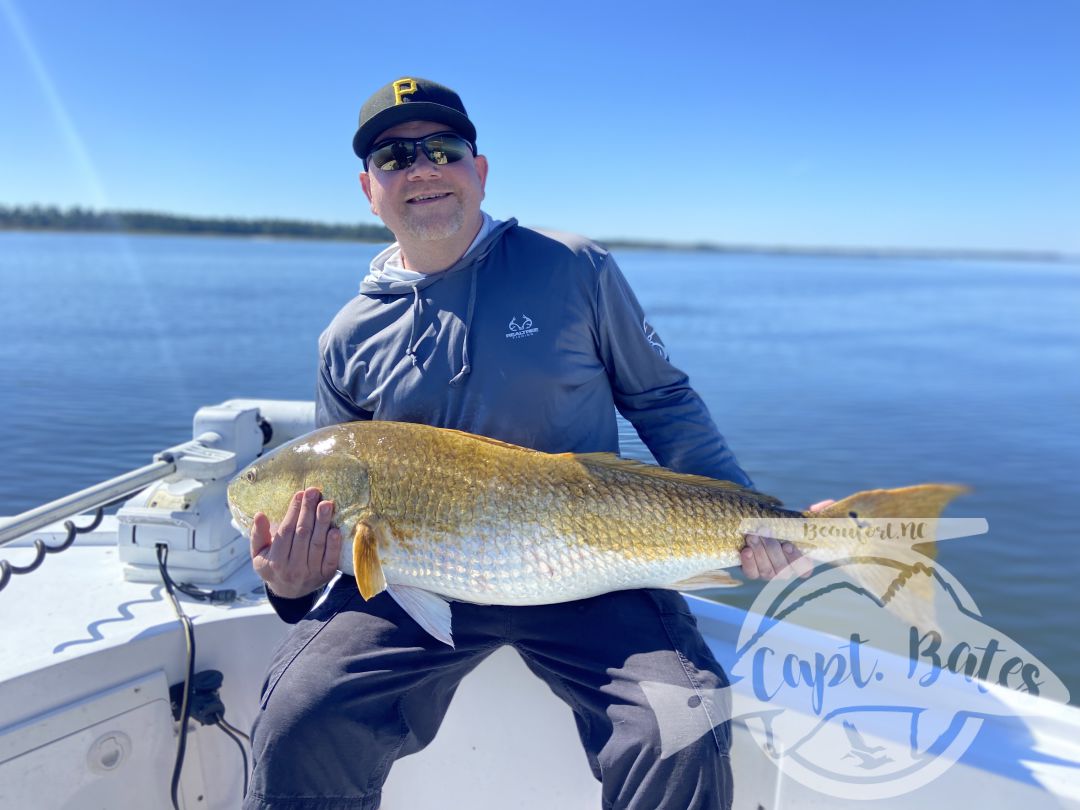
(431,515)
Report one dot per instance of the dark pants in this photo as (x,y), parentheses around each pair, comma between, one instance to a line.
(358,684)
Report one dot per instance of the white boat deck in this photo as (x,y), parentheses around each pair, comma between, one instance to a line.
(87,659)
(85,721)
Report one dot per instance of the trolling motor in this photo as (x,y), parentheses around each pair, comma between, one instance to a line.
(180,497)
(187,511)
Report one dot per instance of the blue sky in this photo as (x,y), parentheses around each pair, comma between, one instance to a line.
(910,123)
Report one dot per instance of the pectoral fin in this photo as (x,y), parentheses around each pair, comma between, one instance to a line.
(708,579)
(366,566)
(427,609)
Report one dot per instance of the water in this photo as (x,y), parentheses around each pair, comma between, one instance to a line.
(827,375)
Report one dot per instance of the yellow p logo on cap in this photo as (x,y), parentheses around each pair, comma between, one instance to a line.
(402,88)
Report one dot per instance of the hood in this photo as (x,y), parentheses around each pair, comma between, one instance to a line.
(378,283)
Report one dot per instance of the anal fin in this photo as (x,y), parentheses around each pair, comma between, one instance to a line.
(706,579)
(427,609)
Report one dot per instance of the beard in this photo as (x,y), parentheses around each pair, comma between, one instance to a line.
(430,226)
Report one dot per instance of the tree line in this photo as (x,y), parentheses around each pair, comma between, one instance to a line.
(52,218)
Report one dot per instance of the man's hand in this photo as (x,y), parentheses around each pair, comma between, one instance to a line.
(765,557)
(302,554)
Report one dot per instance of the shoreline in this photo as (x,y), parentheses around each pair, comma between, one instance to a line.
(290,230)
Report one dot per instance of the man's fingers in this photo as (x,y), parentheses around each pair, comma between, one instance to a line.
(300,554)
(286,530)
(305,522)
(324,513)
(776,556)
(260,534)
(801,566)
(332,558)
(765,558)
(749,562)
(760,561)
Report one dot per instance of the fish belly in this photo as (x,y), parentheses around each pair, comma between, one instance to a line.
(528,572)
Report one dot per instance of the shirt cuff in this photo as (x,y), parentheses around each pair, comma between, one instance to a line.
(292,610)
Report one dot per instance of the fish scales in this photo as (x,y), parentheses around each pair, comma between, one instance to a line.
(480,538)
(474,519)
(482,520)
(480,531)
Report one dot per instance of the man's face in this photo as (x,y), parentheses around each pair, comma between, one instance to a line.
(425,201)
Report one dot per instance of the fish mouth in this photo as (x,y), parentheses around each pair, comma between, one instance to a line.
(428,197)
(240,520)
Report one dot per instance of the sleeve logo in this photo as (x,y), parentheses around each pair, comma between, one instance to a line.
(654,339)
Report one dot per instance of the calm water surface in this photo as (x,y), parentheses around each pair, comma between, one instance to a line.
(827,375)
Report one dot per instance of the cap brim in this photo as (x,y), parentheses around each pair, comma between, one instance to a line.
(412,111)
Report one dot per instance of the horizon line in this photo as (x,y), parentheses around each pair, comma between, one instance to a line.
(112,221)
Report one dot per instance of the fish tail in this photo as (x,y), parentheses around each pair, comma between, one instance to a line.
(884,566)
(922,501)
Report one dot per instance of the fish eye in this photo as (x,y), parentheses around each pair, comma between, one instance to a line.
(250,476)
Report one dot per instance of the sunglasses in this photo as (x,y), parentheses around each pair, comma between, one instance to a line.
(400,153)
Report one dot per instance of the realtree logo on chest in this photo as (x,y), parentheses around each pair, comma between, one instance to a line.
(521,327)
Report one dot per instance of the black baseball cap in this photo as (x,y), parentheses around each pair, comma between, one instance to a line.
(410,99)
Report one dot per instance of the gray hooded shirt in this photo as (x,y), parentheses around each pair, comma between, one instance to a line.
(532,338)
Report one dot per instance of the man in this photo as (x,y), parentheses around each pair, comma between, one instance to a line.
(531,338)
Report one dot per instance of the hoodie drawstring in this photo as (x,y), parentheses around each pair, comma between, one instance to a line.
(416,312)
(465,367)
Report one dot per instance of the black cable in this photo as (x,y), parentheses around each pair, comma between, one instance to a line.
(234,729)
(198,594)
(185,704)
(243,751)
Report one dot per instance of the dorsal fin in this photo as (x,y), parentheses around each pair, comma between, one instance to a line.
(611,461)
(489,440)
